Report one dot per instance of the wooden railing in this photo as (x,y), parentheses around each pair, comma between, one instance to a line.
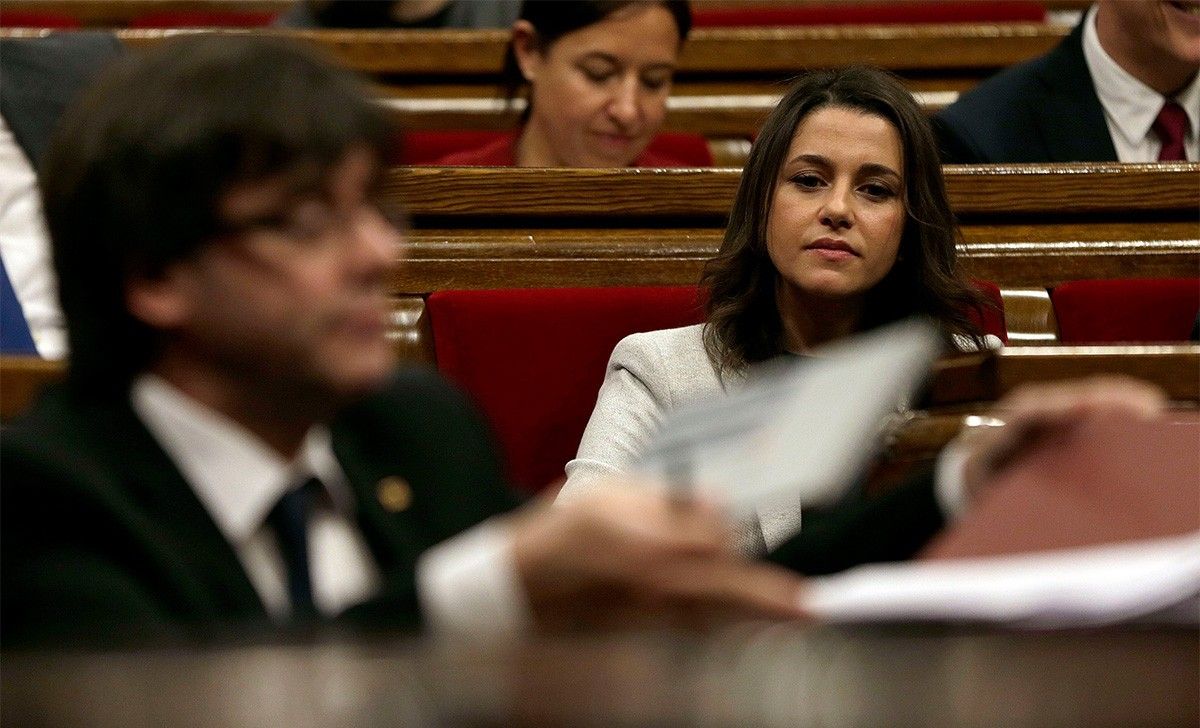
(728,78)
(435,64)
(1027,228)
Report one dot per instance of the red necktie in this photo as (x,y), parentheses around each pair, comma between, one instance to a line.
(1170,126)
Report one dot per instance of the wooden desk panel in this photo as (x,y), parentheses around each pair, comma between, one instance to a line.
(754,675)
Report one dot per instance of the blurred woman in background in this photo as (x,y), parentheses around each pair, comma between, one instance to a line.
(596,75)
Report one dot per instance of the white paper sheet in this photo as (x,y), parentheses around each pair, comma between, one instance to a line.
(802,431)
(1069,588)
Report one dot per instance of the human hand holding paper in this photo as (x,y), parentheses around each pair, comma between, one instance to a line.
(803,430)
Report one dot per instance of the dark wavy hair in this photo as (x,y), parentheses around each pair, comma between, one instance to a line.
(133,176)
(552,19)
(744,324)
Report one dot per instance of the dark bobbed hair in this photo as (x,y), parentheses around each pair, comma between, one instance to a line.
(744,324)
(552,19)
(134,174)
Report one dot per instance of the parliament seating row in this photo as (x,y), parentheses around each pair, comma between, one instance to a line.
(718,61)
(434,82)
(533,359)
(1028,229)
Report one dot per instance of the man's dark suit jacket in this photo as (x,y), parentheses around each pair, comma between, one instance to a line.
(1044,110)
(42,76)
(101,536)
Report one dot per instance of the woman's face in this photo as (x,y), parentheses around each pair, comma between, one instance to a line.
(838,214)
(599,93)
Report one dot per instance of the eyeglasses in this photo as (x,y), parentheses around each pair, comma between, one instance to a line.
(314,231)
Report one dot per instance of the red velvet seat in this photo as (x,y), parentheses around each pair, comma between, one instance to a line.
(418,148)
(534,359)
(990,320)
(1126,310)
(201,18)
(872,13)
(37,19)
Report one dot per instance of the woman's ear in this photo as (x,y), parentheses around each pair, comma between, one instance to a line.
(527,48)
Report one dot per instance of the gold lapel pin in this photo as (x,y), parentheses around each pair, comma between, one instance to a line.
(394,494)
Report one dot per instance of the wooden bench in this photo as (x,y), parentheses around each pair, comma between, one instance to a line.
(1026,228)
(728,80)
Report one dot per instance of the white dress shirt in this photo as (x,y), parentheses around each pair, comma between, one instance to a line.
(467,585)
(25,247)
(1130,106)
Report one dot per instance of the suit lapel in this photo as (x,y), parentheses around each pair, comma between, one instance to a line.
(196,557)
(391,535)
(1070,116)
(42,76)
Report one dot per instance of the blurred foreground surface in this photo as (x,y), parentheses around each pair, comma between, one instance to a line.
(766,675)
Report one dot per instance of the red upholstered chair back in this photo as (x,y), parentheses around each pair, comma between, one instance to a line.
(201,18)
(1129,309)
(37,19)
(690,150)
(873,13)
(991,319)
(534,359)
(420,148)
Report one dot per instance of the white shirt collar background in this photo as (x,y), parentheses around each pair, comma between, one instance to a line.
(1131,106)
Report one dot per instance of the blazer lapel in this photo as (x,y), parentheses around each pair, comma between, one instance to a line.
(42,76)
(391,533)
(195,554)
(1070,116)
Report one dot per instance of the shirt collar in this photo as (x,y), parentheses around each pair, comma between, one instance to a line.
(1131,105)
(235,474)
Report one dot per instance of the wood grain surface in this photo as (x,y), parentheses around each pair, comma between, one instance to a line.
(966,48)
(1168,191)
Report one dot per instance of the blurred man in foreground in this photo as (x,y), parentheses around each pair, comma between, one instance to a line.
(234,444)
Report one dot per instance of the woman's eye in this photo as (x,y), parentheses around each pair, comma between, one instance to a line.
(597,75)
(877,191)
(655,83)
(808,181)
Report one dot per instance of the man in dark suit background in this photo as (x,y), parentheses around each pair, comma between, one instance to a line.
(1123,86)
(233,447)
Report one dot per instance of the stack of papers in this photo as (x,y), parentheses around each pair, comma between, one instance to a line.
(1097,527)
